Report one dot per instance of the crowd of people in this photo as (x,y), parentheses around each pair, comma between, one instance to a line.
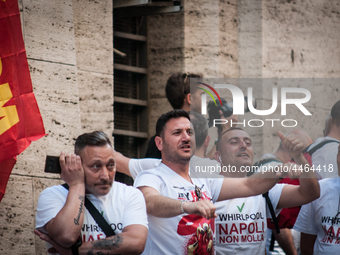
(175,209)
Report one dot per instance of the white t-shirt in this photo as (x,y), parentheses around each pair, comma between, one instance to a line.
(176,234)
(138,165)
(316,218)
(324,158)
(241,223)
(121,207)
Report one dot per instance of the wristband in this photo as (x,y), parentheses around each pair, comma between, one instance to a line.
(182,206)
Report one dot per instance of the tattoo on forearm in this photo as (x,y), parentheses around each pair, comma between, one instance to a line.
(102,253)
(76,220)
(109,243)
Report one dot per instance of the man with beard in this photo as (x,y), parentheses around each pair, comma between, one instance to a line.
(179,206)
(61,217)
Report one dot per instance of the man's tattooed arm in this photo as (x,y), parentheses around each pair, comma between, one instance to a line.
(111,244)
(131,241)
(81,206)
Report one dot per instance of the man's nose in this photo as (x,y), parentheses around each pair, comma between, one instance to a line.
(104,174)
(186,136)
(243,144)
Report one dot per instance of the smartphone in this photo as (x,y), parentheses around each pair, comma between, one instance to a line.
(52,165)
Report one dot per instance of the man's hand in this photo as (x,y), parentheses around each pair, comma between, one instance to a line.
(72,213)
(201,242)
(204,208)
(292,144)
(72,171)
(56,247)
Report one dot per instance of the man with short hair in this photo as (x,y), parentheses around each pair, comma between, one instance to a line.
(241,223)
(61,217)
(179,93)
(179,206)
(180,96)
(324,158)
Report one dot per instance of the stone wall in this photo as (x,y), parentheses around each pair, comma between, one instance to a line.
(70,56)
(69,50)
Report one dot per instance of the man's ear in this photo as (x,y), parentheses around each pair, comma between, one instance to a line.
(218,156)
(207,141)
(159,142)
(188,98)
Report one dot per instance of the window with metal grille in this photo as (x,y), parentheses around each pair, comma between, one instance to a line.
(130,88)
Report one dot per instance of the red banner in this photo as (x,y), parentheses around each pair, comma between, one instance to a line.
(20,119)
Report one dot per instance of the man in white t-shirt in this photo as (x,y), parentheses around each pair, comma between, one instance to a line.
(180,212)
(62,218)
(319,221)
(325,158)
(241,223)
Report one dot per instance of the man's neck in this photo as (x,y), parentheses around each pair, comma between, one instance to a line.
(186,106)
(181,168)
(200,152)
(334,133)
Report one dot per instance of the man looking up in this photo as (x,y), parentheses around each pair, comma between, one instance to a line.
(61,217)
(179,206)
(241,223)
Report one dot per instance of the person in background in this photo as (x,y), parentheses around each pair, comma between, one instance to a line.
(319,221)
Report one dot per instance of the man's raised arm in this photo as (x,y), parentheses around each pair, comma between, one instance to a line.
(65,227)
(261,182)
(309,189)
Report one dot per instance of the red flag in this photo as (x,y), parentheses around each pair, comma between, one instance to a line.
(20,119)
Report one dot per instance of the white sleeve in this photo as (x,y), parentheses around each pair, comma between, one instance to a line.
(150,179)
(215,187)
(138,165)
(49,204)
(306,221)
(274,196)
(268,167)
(135,209)
(324,159)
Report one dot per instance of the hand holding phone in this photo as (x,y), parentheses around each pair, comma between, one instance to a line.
(69,167)
(52,165)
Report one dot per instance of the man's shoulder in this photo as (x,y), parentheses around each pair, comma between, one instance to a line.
(329,141)
(329,184)
(157,170)
(56,189)
(122,189)
(268,155)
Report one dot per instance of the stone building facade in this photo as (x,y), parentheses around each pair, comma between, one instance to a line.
(69,48)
